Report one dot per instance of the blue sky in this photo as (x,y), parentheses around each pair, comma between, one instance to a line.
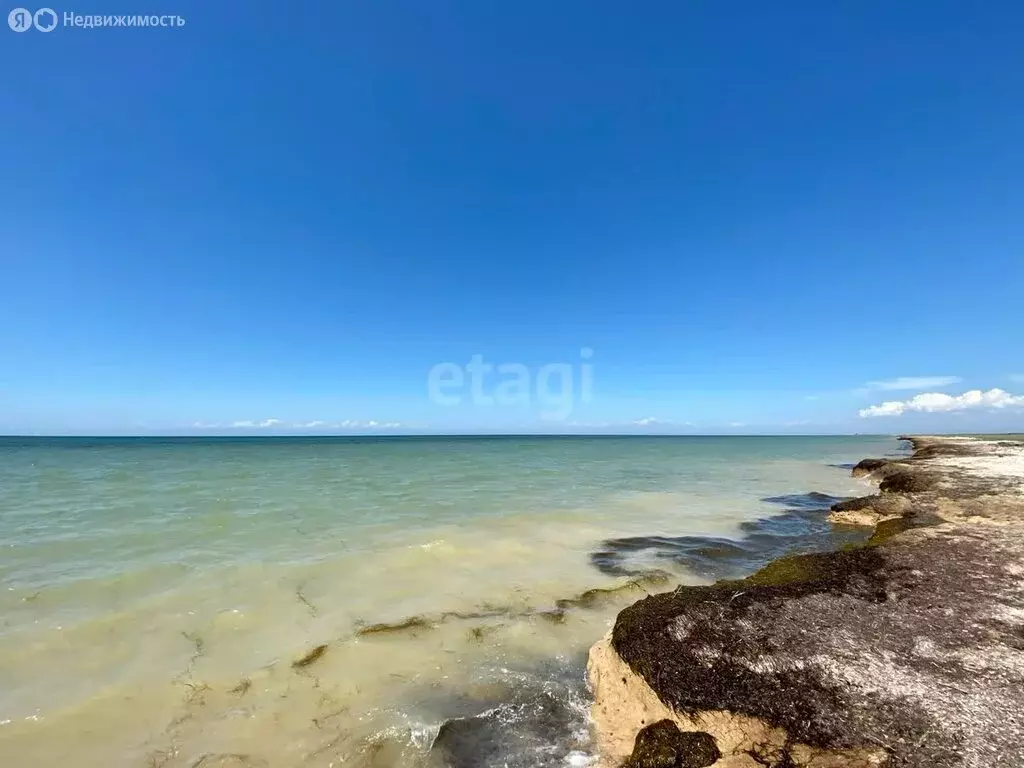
(758,217)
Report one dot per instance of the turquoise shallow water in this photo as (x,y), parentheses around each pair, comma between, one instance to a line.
(155,591)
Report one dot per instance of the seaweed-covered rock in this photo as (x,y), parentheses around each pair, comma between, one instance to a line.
(869,510)
(663,745)
(905,481)
(857,504)
(869,466)
(852,649)
(908,652)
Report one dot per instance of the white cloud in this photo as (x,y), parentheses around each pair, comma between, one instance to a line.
(937,402)
(646,421)
(651,421)
(315,424)
(266,423)
(371,424)
(914,382)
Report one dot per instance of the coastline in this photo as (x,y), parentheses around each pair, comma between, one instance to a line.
(264,618)
(906,651)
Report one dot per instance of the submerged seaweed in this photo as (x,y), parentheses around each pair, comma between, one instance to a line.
(311,656)
(812,500)
(589,599)
(411,623)
(802,528)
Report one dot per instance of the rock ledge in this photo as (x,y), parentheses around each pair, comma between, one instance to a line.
(905,652)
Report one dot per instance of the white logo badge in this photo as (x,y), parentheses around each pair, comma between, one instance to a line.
(20,20)
(45,19)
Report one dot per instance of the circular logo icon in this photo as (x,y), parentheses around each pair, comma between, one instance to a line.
(20,20)
(45,19)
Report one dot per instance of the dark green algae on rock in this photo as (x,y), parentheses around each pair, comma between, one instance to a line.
(663,745)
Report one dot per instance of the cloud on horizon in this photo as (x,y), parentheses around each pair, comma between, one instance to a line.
(913,382)
(279,424)
(937,402)
(647,421)
(265,424)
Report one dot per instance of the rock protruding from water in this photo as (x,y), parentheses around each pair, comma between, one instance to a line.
(528,732)
(869,466)
(908,652)
(663,745)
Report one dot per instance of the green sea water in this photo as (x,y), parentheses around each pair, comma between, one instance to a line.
(155,593)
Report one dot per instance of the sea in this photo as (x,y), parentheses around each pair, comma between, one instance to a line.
(395,602)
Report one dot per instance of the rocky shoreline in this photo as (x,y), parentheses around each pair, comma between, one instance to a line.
(908,651)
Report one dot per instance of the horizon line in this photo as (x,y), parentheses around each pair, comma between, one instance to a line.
(392,435)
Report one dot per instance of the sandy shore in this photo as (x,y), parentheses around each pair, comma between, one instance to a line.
(908,651)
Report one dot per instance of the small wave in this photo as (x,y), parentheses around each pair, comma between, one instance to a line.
(540,722)
(580,759)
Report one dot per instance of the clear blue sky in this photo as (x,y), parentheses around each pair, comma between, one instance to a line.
(287,214)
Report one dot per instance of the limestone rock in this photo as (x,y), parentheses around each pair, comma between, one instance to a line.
(738,761)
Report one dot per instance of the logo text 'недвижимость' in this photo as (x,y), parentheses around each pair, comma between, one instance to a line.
(47,20)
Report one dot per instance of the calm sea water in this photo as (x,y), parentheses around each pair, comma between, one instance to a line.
(155,593)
